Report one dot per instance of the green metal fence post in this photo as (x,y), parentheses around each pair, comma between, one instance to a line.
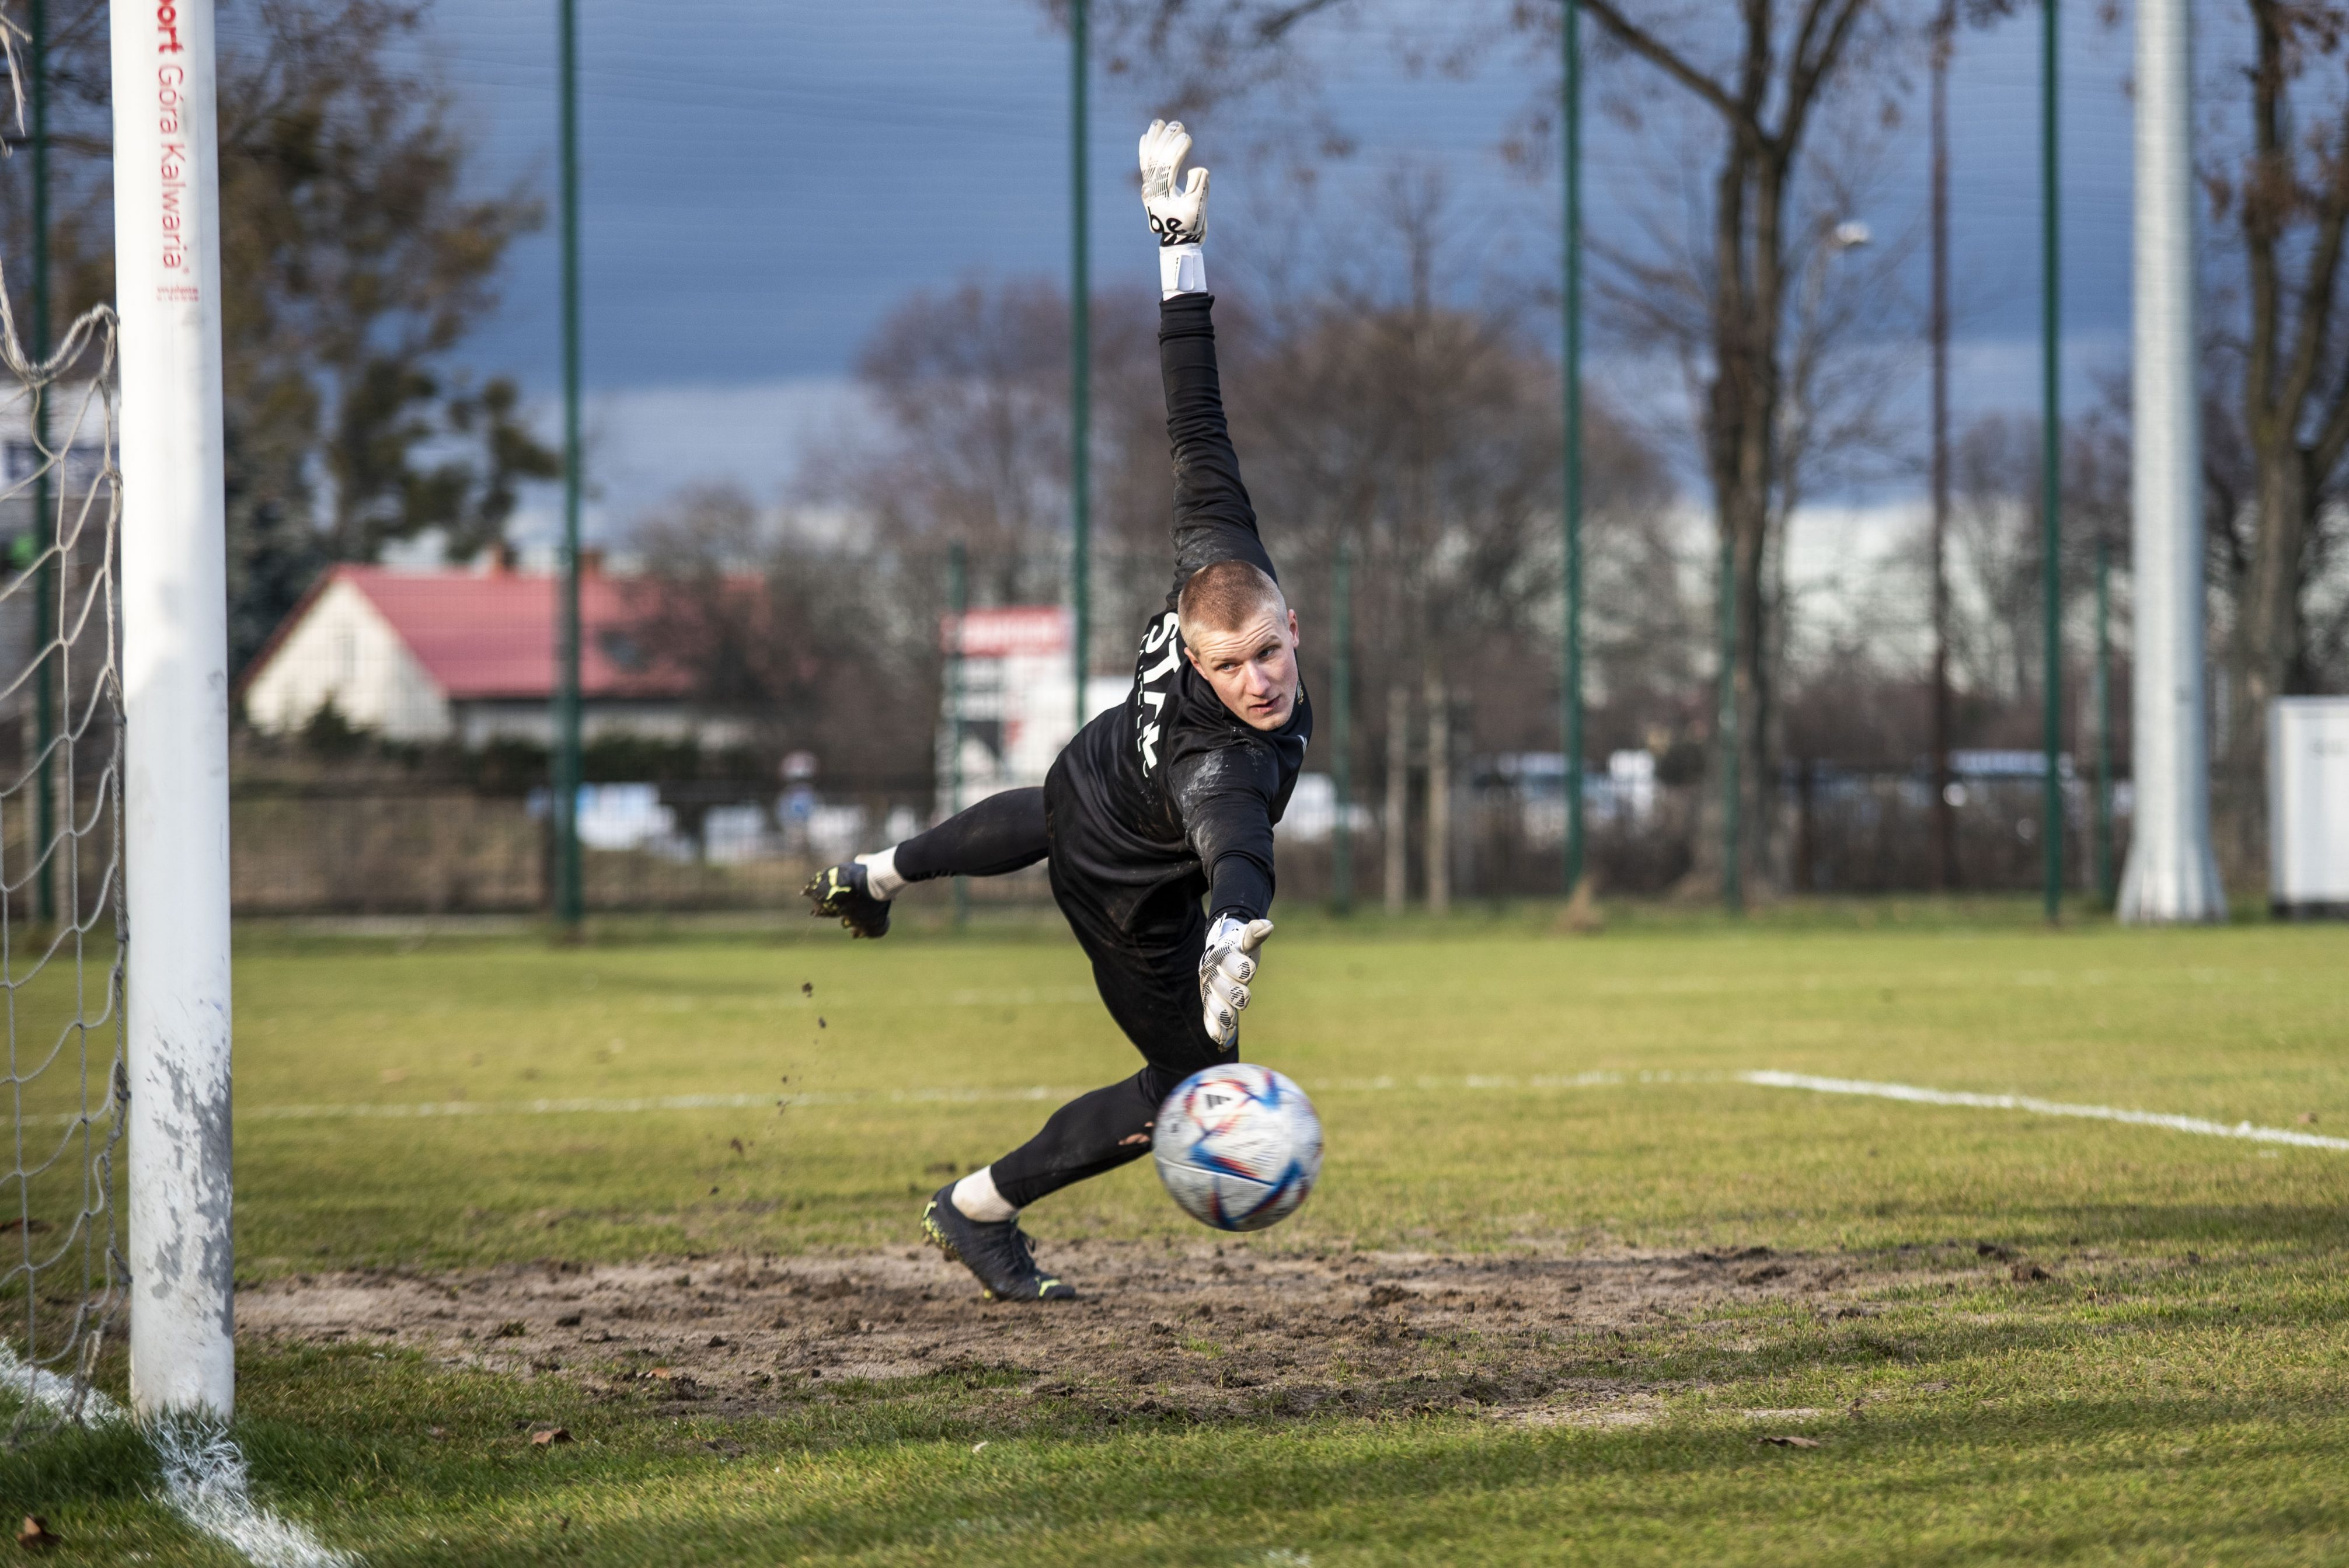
(2051,475)
(567,887)
(1081,377)
(1570,132)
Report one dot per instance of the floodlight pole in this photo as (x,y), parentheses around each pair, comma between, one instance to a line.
(2051,475)
(566,803)
(46,617)
(1080,358)
(1341,730)
(1571,304)
(175,700)
(2171,875)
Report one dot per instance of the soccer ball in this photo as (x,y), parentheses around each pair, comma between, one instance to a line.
(1238,1147)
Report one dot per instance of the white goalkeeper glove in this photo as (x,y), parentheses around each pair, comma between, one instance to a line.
(1225,971)
(1178,213)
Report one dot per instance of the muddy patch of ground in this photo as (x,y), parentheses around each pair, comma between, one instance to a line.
(1159,1329)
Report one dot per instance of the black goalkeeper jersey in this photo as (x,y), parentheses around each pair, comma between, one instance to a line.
(1172,790)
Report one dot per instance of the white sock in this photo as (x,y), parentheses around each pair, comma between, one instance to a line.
(976,1196)
(880,878)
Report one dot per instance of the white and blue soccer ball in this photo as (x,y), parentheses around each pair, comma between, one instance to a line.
(1238,1147)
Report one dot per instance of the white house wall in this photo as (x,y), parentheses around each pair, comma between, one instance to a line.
(344,649)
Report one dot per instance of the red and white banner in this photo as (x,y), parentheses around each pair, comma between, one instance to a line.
(1015,631)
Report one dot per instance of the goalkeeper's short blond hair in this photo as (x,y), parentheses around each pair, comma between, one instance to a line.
(1222,595)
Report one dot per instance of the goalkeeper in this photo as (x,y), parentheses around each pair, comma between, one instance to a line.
(1157,819)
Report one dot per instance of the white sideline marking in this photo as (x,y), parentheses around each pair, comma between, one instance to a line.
(2043,1107)
(204,1479)
(1487,1082)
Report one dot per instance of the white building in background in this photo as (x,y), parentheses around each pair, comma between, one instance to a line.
(1010,699)
(465,655)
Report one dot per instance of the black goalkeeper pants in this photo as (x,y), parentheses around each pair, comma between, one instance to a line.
(1147,971)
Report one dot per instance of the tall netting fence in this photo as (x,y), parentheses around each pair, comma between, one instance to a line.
(384,848)
(62,936)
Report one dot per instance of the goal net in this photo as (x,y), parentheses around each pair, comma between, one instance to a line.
(62,946)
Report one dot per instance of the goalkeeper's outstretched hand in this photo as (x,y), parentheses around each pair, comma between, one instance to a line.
(1225,971)
(1178,213)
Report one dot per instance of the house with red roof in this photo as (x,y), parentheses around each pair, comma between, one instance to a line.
(466,655)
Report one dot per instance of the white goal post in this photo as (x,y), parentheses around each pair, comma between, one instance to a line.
(175,700)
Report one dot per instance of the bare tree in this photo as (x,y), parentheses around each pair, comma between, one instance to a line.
(974,386)
(1423,436)
(802,638)
(2287,195)
(356,256)
(1994,588)
(1994,565)
(1744,304)
(1197,53)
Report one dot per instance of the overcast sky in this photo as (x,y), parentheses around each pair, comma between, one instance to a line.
(763,182)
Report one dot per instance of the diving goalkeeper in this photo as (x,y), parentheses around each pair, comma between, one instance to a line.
(1157,819)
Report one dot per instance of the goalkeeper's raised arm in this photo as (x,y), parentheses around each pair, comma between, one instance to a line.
(1213,519)
(1228,781)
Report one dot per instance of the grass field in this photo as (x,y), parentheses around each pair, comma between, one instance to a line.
(2016,1337)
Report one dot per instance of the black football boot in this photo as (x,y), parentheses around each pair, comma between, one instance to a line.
(838,892)
(997,1252)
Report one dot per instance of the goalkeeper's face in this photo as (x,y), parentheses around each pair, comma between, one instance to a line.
(1252,666)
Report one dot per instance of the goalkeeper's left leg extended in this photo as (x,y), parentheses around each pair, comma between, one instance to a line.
(1002,833)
